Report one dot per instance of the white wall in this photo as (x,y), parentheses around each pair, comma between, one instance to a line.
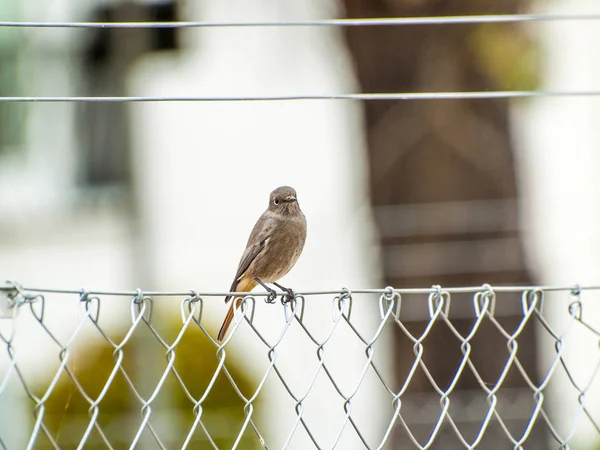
(558,163)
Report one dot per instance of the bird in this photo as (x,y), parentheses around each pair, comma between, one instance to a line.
(274,246)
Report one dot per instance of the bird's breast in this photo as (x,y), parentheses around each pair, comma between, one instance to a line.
(281,251)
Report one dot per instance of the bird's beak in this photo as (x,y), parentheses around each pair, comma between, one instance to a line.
(291,199)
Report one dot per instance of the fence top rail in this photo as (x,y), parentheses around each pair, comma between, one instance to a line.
(574,288)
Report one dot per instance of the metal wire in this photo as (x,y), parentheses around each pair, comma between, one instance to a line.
(387,306)
(30,303)
(271,98)
(344,22)
(359,22)
(575,288)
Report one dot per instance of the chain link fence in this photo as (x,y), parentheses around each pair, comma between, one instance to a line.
(69,388)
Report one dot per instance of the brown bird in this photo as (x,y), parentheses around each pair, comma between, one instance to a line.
(273,248)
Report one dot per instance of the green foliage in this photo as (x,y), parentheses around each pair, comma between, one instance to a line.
(196,362)
(66,411)
(507,56)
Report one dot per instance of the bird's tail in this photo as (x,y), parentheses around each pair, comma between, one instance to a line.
(227,321)
(244,285)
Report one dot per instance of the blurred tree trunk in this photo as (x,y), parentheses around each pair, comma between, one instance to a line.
(444,195)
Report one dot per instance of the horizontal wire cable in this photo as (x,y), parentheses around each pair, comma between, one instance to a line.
(270,98)
(532,419)
(323,22)
(345,22)
(431,290)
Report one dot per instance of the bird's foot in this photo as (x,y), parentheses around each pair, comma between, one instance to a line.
(289,296)
(272,294)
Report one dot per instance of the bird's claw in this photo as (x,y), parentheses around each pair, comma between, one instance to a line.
(272,297)
(289,295)
(272,294)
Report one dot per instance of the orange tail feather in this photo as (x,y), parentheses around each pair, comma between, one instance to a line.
(227,321)
(244,285)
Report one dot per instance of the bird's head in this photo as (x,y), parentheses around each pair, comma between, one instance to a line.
(284,200)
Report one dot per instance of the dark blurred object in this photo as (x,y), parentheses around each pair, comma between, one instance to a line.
(12,115)
(104,127)
(444,195)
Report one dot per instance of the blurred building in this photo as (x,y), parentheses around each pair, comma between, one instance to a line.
(163,195)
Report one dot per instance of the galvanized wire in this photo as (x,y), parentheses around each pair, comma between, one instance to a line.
(32,301)
(300,97)
(387,307)
(341,22)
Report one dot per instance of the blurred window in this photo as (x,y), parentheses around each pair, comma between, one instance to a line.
(103,128)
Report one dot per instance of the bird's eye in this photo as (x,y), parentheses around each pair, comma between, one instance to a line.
(276,201)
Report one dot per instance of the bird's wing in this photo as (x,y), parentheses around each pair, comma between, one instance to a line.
(256,243)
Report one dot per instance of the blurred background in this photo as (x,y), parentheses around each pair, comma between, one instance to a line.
(403,193)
